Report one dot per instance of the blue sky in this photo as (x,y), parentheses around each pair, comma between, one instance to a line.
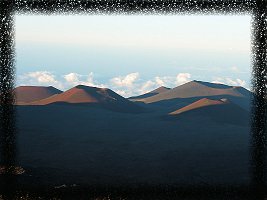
(132,54)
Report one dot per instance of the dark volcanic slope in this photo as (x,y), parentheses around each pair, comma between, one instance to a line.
(27,94)
(198,89)
(71,144)
(198,104)
(222,111)
(159,90)
(91,95)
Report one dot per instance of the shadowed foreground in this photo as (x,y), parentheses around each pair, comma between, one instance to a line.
(66,145)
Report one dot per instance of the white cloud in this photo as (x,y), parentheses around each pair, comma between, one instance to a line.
(125,81)
(147,86)
(229,81)
(42,78)
(172,81)
(164,80)
(133,85)
(45,78)
(128,85)
(218,82)
(237,81)
(182,78)
(73,79)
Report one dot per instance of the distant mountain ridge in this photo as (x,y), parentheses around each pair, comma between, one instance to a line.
(197,89)
(191,95)
(27,94)
(82,94)
(87,95)
(159,90)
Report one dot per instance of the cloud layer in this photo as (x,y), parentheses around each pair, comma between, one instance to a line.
(126,85)
(229,81)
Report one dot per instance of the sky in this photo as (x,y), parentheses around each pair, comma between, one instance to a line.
(132,54)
